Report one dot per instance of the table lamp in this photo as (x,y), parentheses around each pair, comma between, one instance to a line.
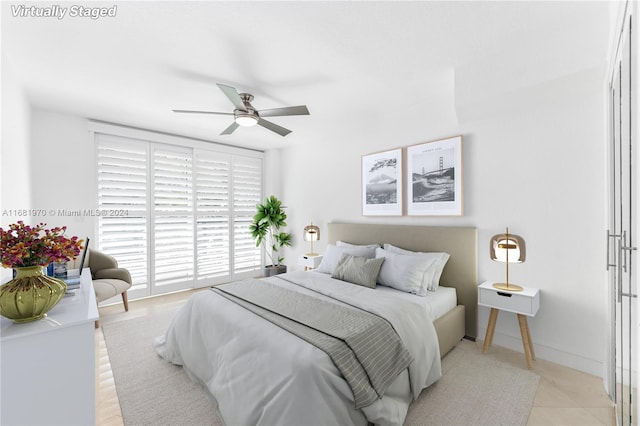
(311,234)
(508,248)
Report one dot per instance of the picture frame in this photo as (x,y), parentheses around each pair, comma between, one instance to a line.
(434,178)
(382,183)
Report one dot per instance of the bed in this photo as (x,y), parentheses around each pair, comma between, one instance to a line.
(461,271)
(262,373)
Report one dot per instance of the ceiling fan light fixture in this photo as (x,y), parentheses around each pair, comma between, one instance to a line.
(246,120)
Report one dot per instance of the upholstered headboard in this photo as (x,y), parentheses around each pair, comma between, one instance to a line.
(461,243)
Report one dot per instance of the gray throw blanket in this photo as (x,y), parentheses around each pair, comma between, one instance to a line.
(363,346)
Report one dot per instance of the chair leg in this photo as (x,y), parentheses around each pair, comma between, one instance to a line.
(125,301)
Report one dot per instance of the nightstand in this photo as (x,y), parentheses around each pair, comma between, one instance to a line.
(309,262)
(524,303)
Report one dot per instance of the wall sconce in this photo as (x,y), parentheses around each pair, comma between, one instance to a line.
(508,248)
(311,234)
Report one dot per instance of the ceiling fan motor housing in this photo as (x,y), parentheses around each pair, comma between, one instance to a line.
(248,117)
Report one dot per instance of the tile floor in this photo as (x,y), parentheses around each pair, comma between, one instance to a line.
(564,397)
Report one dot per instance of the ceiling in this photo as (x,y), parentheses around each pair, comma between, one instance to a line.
(355,64)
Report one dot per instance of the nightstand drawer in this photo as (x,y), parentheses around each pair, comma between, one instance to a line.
(310,262)
(509,301)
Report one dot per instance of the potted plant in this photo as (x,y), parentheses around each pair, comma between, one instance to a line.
(267,222)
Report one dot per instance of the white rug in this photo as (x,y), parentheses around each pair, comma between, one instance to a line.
(475,389)
(152,391)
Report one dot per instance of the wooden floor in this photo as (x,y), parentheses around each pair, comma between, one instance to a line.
(564,397)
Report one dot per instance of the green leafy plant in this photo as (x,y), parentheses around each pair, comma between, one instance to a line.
(266,228)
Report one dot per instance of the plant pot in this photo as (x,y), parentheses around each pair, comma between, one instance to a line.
(271,270)
(30,295)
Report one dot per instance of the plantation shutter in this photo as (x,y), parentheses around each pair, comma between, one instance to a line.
(122,192)
(247,192)
(213,214)
(173,215)
(186,210)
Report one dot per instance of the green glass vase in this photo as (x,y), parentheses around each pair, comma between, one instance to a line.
(30,295)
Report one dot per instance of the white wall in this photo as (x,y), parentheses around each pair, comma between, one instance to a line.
(15,153)
(64,180)
(15,176)
(534,161)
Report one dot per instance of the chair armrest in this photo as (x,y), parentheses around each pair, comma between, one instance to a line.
(113,273)
(99,260)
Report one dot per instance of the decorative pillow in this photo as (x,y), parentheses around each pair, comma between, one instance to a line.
(333,254)
(358,270)
(432,280)
(403,272)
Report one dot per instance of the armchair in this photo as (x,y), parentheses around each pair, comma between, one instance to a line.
(108,279)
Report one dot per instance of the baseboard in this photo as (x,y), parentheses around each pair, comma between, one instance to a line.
(571,360)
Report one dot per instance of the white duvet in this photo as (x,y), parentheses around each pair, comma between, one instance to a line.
(260,374)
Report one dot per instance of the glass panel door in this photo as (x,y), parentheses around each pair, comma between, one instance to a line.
(622,238)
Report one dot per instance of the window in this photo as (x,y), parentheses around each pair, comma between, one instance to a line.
(123,188)
(179,214)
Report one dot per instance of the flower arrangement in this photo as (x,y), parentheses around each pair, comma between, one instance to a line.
(23,245)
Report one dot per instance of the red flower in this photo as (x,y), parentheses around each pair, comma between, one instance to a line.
(23,245)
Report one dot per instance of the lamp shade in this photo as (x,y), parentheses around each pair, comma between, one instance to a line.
(311,233)
(507,248)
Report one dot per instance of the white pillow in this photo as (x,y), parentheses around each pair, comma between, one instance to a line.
(372,247)
(404,272)
(333,254)
(432,280)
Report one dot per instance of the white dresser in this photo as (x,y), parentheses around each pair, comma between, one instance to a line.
(47,367)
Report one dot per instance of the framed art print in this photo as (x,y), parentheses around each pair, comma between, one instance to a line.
(382,183)
(434,178)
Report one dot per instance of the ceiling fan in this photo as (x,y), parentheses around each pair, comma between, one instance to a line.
(246,115)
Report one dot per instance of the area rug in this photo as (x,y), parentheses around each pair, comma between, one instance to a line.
(475,389)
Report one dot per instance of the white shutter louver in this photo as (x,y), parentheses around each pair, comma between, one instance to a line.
(122,187)
(173,215)
(247,192)
(212,214)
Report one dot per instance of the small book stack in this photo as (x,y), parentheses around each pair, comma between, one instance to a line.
(73,281)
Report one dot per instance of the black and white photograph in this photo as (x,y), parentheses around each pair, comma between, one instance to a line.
(382,183)
(435,178)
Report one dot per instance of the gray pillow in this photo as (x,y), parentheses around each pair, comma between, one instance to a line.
(358,270)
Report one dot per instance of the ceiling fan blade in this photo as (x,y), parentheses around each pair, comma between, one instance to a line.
(187,111)
(232,127)
(274,127)
(233,96)
(293,110)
